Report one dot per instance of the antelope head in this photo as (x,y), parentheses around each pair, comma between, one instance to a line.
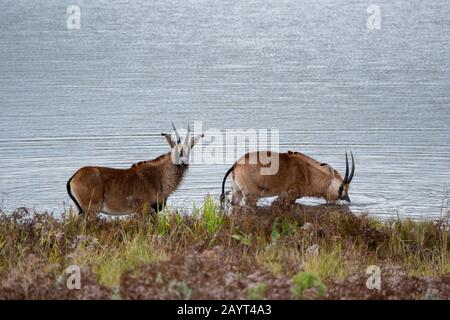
(339,187)
(180,151)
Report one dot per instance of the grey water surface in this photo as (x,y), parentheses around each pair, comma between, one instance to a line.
(312,69)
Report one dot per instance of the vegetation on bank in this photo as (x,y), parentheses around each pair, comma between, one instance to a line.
(296,252)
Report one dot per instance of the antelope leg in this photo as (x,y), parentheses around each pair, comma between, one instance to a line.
(284,199)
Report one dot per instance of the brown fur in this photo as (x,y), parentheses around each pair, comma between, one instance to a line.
(122,191)
(298,176)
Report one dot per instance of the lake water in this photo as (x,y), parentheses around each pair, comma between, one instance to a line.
(312,69)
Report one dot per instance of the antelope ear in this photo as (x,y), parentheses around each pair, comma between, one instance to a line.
(169,139)
(195,139)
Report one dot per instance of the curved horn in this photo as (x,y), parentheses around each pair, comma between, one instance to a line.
(346,168)
(186,140)
(169,139)
(353,168)
(176,133)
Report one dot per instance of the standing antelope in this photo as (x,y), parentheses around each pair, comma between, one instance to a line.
(298,176)
(123,191)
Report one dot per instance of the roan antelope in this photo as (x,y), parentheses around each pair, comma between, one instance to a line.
(146,184)
(298,176)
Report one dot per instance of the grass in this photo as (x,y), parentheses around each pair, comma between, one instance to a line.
(303,281)
(275,253)
(130,254)
(257,291)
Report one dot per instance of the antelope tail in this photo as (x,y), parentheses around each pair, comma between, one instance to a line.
(222,196)
(69,191)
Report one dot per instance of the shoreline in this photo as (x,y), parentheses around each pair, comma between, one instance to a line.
(296,252)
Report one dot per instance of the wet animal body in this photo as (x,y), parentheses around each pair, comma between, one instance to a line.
(146,184)
(298,176)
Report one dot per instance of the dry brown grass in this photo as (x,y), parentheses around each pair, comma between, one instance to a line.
(275,253)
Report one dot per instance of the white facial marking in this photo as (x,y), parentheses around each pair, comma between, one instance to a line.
(334,186)
(176,154)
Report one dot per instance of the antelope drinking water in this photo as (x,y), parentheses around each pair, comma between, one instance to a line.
(123,191)
(298,176)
